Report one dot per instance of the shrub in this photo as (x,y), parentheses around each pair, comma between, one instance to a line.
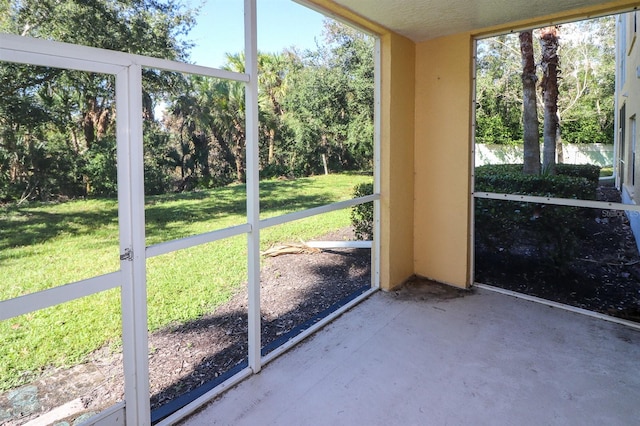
(577,181)
(101,168)
(554,230)
(271,171)
(362,214)
(587,171)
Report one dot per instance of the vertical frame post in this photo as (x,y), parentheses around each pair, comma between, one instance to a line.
(132,245)
(253,185)
(616,103)
(375,252)
(472,171)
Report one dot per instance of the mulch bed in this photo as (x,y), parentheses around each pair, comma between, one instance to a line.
(294,288)
(603,276)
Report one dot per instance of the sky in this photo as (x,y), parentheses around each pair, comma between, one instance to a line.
(281,24)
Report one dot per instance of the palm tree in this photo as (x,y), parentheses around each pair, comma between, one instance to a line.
(530,108)
(550,68)
(272,88)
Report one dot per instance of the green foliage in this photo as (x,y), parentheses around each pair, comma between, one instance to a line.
(146,27)
(493,130)
(329,104)
(571,181)
(587,86)
(57,127)
(271,171)
(362,214)
(101,168)
(157,167)
(554,230)
(586,129)
(498,91)
(585,104)
(587,171)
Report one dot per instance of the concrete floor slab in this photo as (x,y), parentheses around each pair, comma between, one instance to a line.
(483,359)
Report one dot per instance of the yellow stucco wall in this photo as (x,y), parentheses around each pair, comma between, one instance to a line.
(442,159)
(397,150)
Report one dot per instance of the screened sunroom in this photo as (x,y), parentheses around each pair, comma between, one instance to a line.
(393,327)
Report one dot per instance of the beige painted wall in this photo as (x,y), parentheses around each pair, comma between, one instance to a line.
(628,97)
(397,174)
(442,159)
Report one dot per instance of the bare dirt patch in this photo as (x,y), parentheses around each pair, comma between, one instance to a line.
(419,288)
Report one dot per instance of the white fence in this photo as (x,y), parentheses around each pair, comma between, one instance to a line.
(595,153)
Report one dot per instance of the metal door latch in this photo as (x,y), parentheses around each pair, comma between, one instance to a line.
(128,254)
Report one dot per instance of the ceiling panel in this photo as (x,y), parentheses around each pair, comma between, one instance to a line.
(421,20)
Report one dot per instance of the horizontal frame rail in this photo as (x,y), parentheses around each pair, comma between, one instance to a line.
(605,205)
(303,214)
(359,244)
(54,296)
(65,293)
(194,240)
(110,58)
(39,59)
(208,237)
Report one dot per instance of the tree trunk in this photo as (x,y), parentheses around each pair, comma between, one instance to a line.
(325,163)
(530,108)
(239,167)
(239,150)
(95,121)
(559,150)
(272,146)
(237,153)
(550,69)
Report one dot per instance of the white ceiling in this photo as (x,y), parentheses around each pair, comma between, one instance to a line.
(421,20)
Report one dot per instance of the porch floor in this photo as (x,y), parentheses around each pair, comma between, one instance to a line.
(482,359)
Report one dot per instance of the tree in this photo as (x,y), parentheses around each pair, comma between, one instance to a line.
(57,127)
(329,106)
(206,127)
(75,125)
(586,93)
(529,106)
(499,91)
(549,64)
(232,115)
(272,73)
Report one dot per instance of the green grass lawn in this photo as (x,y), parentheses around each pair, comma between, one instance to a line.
(606,171)
(46,245)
